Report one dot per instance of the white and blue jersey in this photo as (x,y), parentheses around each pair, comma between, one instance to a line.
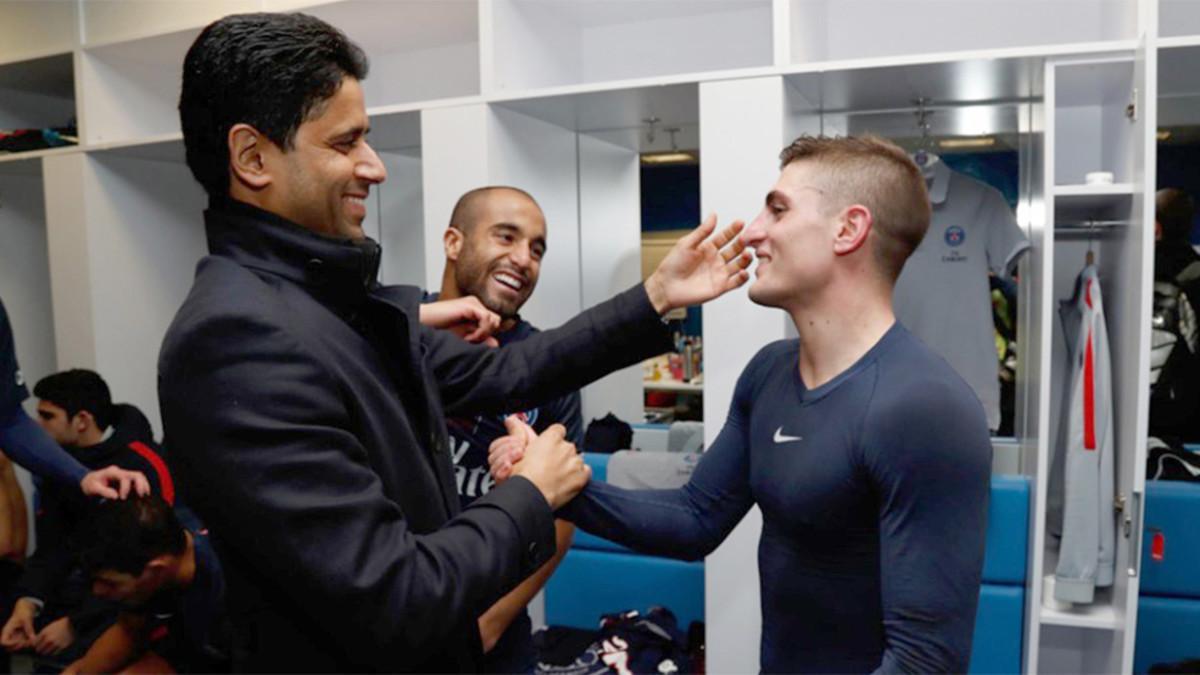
(470,439)
(873,489)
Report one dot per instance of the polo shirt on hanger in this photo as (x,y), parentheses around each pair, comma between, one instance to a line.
(942,295)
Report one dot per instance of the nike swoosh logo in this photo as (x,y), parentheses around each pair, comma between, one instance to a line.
(780,438)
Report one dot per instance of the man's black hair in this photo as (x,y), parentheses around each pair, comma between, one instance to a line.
(77,390)
(123,535)
(271,71)
(1174,209)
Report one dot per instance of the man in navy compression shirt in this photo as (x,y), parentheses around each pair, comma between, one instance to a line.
(26,444)
(867,454)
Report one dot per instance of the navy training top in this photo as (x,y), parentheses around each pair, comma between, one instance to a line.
(470,439)
(873,489)
(21,439)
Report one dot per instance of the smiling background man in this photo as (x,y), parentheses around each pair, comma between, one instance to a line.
(494,249)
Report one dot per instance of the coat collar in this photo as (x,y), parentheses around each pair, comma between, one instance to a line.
(265,241)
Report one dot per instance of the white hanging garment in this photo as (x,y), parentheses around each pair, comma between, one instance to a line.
(1085,451)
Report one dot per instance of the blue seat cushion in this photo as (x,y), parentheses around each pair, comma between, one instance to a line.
(590,583)
(1168,630)
(996,647)
(1171,508)
(599,463)
(1008,531)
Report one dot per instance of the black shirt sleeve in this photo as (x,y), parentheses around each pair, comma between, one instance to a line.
(12,384)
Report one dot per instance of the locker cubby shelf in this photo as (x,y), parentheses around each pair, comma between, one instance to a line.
(834,30)
(539,44)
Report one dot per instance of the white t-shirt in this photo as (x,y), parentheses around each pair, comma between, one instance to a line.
(943,297)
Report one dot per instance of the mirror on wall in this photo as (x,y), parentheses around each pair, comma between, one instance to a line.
(960,290)
(1175,333)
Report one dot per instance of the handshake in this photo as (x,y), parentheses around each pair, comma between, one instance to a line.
(548,461)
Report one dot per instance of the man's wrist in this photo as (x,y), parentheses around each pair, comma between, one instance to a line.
(657,293)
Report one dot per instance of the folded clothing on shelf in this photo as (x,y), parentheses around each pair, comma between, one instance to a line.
(25,140)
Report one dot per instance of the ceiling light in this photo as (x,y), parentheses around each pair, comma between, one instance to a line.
(981,142)
(668,158)
(1163,134)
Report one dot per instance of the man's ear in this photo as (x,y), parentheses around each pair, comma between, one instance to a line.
(157,567)
(452,242)
(82,420)
(246,161)
(853,227)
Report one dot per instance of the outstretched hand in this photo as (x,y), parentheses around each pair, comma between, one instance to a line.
(700,267)
(465,317)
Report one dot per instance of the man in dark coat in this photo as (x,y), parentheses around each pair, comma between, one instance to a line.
(306,404)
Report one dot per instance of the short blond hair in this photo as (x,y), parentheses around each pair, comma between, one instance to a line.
(878,174)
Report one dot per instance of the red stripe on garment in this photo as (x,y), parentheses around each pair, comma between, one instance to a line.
(1087,293)
(160,467)
(1089,395)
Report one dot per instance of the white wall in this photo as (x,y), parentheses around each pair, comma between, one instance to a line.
(36,27)
(540,158)
(401,213)
(454,146)
(929,26)
(742,128)
(610,258)
(25,274)
(682,44)
(438,72)
(145,235)
(131,90)
(536,45)
(1178,17)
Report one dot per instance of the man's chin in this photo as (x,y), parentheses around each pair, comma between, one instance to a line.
(353,232)
(764,297)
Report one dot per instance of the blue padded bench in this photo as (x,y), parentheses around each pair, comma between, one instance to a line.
(1000,618)
(598,576)
(1168,627)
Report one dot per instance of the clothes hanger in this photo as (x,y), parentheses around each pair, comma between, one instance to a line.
(1089,258)
(923,157)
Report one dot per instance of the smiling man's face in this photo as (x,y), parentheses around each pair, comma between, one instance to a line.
(323,181)
(501,252)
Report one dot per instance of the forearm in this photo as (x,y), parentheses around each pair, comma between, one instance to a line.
(614,334)
(658,522)
(112,651)
(500,616)
(20,515)
(8,530)
(26,444)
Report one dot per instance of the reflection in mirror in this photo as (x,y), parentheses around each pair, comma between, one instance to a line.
(960,289)
(670,190)
(1175,332)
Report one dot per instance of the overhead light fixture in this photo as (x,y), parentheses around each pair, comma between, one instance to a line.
(1163,134)
(979,142)
(674,157)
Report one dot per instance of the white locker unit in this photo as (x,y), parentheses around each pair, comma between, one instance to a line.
(98,241)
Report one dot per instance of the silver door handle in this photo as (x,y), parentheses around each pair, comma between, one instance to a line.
(1133,521)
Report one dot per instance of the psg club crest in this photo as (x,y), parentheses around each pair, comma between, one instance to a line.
(955,236)
(528,416)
